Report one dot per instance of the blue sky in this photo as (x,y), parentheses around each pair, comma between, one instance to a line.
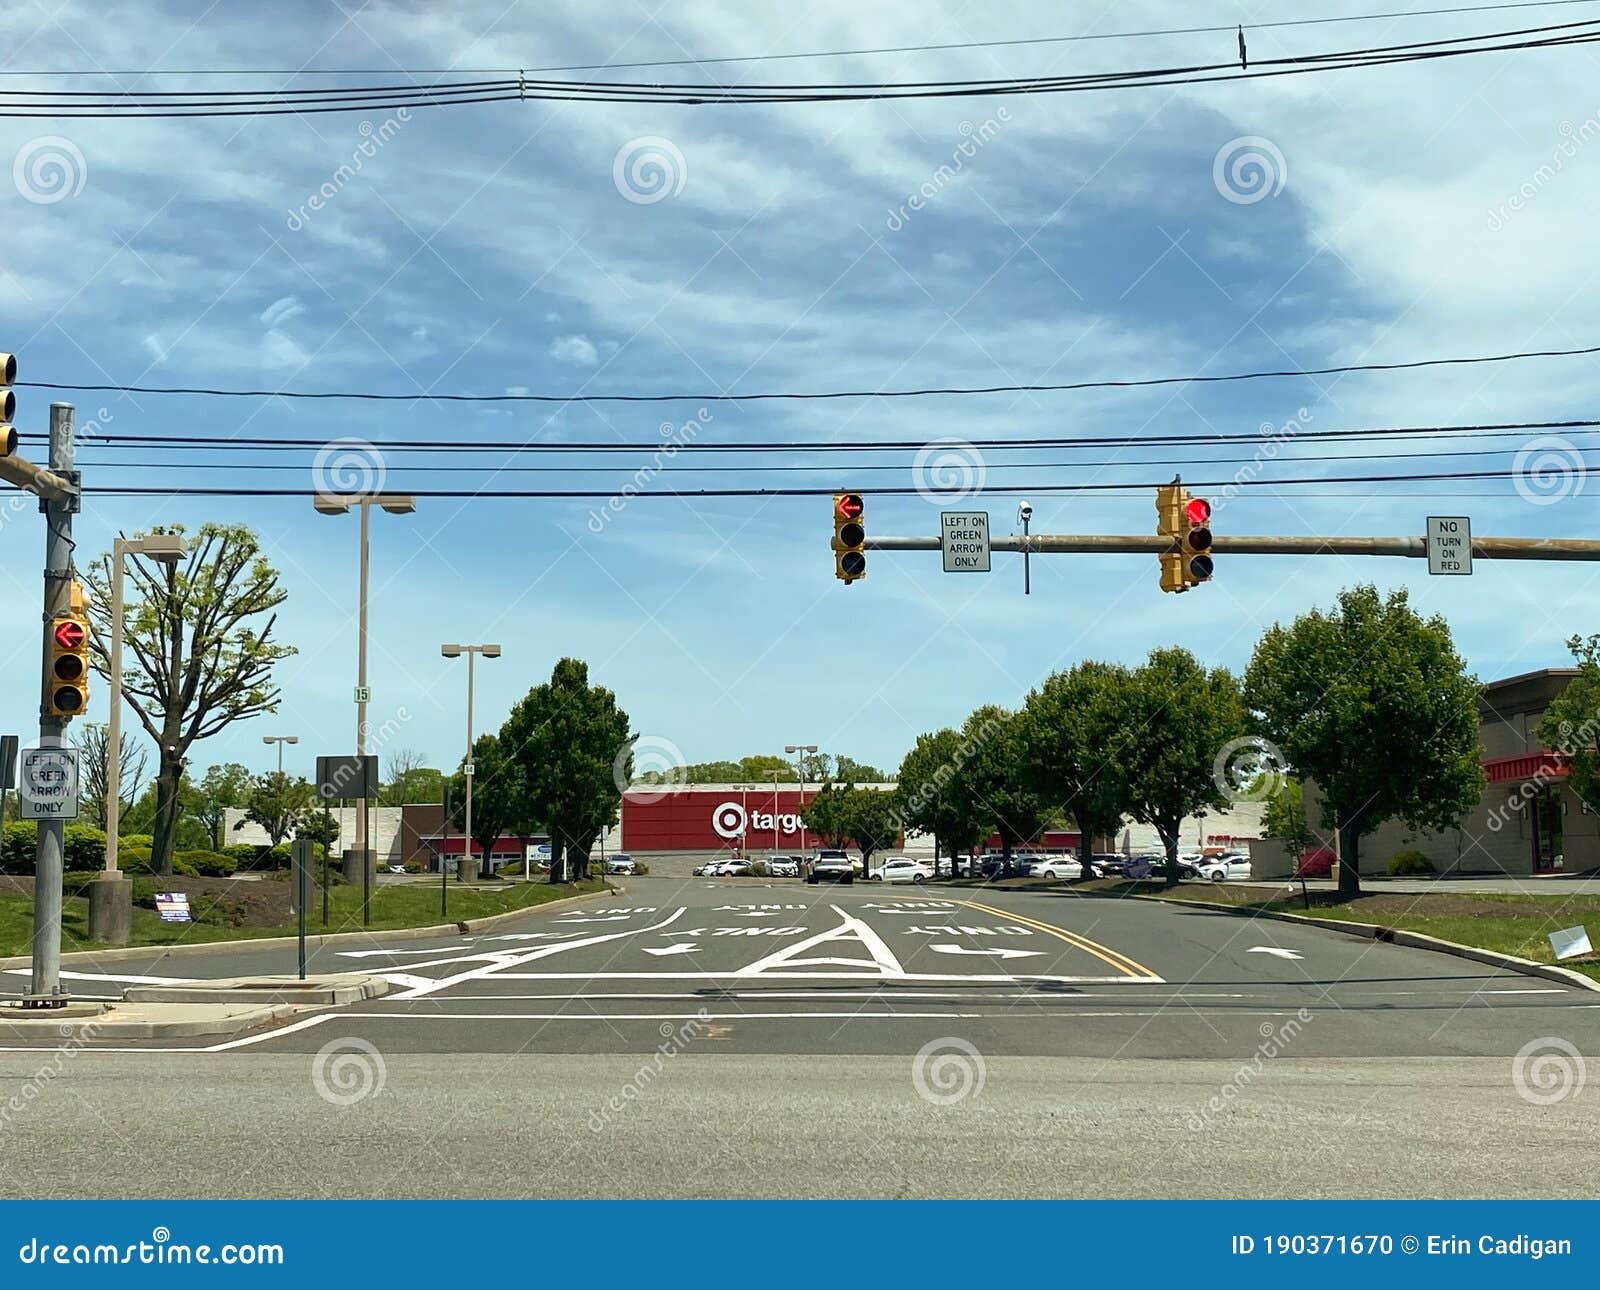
(489,248)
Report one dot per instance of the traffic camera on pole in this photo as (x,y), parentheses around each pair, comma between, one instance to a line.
(69,659)
(849,538)
(1169,525)
(1196,541)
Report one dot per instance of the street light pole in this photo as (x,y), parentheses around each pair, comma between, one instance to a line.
(800,761)
(280,740)
(469,869)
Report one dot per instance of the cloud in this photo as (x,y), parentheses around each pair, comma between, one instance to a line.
(578,350)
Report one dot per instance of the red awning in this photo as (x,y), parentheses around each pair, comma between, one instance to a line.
(1540,765)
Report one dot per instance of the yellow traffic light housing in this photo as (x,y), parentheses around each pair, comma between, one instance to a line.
(849,538)
(1169,525)
(69,661)
(8,405)
(1196,541)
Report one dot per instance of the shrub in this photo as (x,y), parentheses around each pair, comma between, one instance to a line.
(758,868)
(16,847)
(85,848)
(209,864)
(137,860)
(640,868)
(1409,862)
(145,840)
(243,853)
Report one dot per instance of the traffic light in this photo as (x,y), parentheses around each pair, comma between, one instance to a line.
(1169,525)
(8,405)
(1196,541)
(849,538)
(69,658)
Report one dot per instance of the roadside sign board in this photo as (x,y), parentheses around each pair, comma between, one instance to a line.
(1449,544)
(8,761)
(964,541)
(363,694)
(344,779)
(48,789)
(173,906)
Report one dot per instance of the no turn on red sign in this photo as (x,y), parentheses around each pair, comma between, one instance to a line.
(1449,544)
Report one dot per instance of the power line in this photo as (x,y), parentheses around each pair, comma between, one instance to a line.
(759,397)
(223,103)
(1084,37)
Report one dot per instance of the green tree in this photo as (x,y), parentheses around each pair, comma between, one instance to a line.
(1070,725)
(497,795)
(705,772)
(827,814)
(1372,702)
(221,787)
(1283,818)
(200,636)
(1571,724)
(1174,718)
(933,797)
(758,769)
(411,780)
(94,766)
(572,745)
(847,770)
(995,777)
(278,802)
(872,821)
(318,826)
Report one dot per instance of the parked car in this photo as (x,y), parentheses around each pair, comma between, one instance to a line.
(1054,867)
(620,863)
(1108,863)
(830,867)
(1225,868)
(783,866)
(903,869)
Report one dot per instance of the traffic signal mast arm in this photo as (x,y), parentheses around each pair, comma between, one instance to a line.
(1488,548)
(35,479)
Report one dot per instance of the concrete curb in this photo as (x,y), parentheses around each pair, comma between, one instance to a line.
(224,1025)
(324,992)
(1394,936)
(90,957)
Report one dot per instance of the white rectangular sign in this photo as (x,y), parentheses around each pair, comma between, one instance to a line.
(48,788)
(964,541)
(1449,544)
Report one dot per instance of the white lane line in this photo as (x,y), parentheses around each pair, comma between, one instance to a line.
(518,957)
(111,976)
(1275,950)
(1008,978)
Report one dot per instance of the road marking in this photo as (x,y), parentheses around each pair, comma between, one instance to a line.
(850,928)
(110,976)
(994,951)
(1006,978)
(682,947)
(1104,953)
(1274,949)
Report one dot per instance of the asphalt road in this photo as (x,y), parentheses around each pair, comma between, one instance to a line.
(748,1037)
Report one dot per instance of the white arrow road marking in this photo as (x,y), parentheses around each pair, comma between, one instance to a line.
(513,959)
(596,918)
(682,947)
(531,936)
(1273,949)
(883,959)
(372,954)
(995,952)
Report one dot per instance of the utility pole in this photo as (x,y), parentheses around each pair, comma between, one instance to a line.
(468,872)
(46,990)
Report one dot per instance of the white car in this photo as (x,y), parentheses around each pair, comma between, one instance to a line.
(901,869)
(1055,867)
(1224,868)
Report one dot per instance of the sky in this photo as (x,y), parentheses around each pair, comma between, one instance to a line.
(1419,211)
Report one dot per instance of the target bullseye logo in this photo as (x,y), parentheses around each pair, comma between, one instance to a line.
(728,820)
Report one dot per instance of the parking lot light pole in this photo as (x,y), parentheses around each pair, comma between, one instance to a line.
(280,740)
(468,871)
(776,776)
(800,762)
(340,504)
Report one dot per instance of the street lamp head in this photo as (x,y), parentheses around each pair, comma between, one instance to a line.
(451,651)
(397,503)
(331,504)
(168,548)
(491,651)
(291,739)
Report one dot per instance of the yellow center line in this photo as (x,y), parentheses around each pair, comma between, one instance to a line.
(1120,961)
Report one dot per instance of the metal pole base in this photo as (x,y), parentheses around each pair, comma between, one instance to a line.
(111,909)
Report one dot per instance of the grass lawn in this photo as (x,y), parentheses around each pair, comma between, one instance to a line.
(1509,924)
(393,906)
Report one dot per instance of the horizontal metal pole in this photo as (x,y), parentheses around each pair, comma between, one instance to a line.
(35,479)
(1487,548)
